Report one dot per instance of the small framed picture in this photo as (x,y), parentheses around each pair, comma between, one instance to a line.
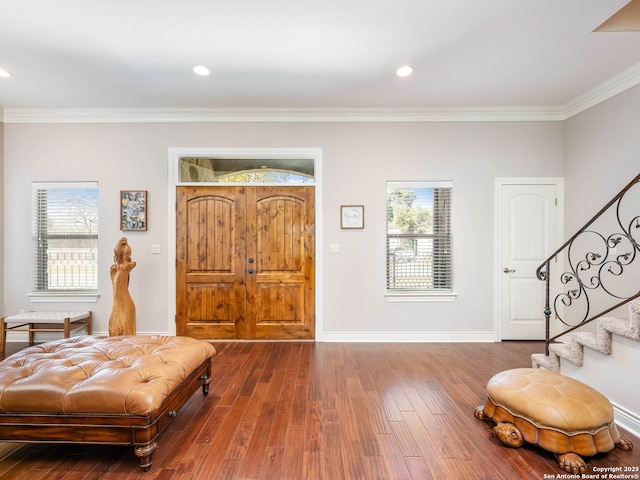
(352,216)
(133,210)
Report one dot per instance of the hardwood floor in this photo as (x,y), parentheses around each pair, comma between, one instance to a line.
(303,410)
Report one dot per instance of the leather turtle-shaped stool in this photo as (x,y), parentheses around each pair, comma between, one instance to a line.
(556,412)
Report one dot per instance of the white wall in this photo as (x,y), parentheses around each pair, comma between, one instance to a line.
(358,158)
(1,211)
(602,155)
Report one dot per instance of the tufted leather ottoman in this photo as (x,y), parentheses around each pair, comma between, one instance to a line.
(115,390)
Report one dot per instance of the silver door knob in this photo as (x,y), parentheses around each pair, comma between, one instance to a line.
(508,270)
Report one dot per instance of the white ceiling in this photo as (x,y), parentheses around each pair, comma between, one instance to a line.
(308,54)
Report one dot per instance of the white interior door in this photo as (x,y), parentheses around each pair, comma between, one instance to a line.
(528,230)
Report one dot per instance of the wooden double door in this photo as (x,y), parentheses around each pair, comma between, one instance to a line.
(245,262)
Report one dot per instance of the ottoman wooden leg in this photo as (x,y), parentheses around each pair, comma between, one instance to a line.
(67,327)
(206,380)
(144,454)
(3,334)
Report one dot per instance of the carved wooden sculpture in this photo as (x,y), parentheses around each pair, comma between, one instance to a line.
(556,412)
(123,314)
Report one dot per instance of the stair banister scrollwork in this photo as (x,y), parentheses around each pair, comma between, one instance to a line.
(594,260)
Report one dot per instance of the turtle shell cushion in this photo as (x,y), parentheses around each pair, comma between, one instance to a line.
(557,412)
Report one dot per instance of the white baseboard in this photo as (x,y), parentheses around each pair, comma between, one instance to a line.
(628,420)
(18,337)
(410,337)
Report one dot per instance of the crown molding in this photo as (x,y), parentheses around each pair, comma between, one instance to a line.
(623,81)
(618,84)
(203,115)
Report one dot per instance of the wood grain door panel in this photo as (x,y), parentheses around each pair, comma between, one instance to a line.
(245,262)
(210,262)
(281,240)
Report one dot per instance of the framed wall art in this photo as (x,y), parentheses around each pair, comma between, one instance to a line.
(352,216)
(133,210)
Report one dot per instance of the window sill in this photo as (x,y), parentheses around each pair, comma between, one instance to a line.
(419,297)
(71,297)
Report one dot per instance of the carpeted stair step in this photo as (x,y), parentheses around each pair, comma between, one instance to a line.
(569,351)
(540,360)
(600,341)
(625,327)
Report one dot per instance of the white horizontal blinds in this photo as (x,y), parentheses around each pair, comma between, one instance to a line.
(442,253)
(65,236)
(419,237)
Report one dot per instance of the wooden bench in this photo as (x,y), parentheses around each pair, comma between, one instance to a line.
(32,322)
(101,390)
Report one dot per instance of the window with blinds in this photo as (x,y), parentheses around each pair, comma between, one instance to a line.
(65,237)
(419,240)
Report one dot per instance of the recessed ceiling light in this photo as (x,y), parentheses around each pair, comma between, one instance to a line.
(4,73)
(201,70)
(404,71)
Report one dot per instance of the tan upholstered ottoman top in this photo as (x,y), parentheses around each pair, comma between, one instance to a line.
(549,399)
(128,375)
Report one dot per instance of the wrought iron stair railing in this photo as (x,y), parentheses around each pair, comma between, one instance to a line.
(595,272)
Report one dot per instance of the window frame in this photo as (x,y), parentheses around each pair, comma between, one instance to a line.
(46,295)
(420,294)
(230,169)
